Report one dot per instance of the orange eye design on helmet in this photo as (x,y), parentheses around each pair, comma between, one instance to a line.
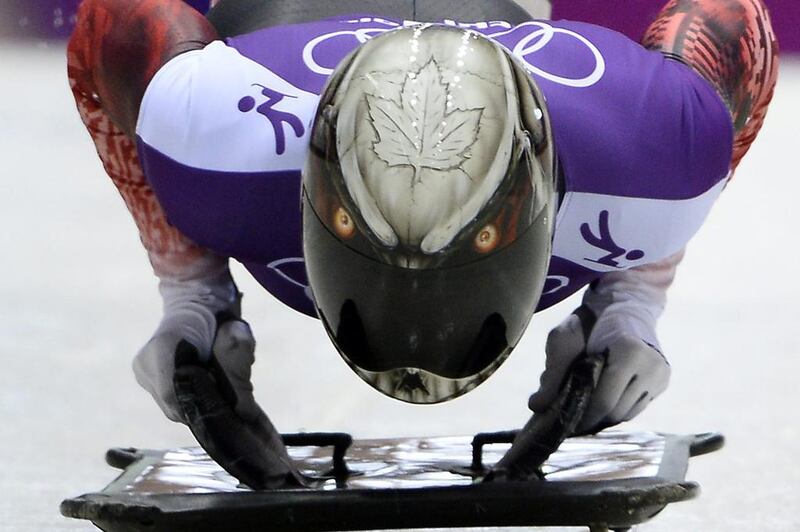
(343,224)
(487,239)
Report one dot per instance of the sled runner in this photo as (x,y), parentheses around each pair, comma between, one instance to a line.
(612,480)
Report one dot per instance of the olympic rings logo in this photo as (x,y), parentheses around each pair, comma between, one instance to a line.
(362,35)
(537,40)
(531,43)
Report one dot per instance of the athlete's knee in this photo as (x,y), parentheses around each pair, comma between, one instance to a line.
(729,42)
(732,45)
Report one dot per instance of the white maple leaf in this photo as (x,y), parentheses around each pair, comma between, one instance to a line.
(418,131)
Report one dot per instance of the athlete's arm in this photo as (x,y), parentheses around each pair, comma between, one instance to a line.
(618,317)
(122,45)
(114,52)
(731,44)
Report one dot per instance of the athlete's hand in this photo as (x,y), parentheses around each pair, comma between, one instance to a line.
(197,367)
(191,312)
(617,319)
(233,350)
(634,373)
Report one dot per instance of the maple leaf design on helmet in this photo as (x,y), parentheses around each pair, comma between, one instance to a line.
(418,131)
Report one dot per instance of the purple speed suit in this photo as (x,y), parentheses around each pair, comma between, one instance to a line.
(646,142)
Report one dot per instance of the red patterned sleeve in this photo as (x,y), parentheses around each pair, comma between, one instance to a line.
(731,44)
(119,45)
(116,48)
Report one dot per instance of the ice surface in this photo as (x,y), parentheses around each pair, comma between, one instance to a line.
(77,301)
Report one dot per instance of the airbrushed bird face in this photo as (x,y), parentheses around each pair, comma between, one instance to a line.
(427,160)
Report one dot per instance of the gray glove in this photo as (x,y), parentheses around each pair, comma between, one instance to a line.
(617,318)
(191,311)
(197,368)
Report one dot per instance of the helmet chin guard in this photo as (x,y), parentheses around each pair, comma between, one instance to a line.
(428,209)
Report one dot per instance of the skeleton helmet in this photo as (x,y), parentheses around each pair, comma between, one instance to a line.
(428,206)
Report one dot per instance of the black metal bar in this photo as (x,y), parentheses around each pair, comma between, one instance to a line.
(120,458)
(340,441)
(705,443)
(488,438)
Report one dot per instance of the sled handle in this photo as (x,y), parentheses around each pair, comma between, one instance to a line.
(705,443)
(120,458)
(340,441)
(488,438)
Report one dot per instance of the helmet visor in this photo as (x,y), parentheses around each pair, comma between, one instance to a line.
(424,335)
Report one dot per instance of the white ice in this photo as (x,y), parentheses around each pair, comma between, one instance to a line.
(77,299)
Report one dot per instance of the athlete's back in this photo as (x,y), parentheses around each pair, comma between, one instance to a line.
(223,135)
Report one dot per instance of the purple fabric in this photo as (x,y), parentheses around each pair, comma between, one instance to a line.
(260,46)
(679,126)
(287,282)
(630,18)
(648,127)
(200,5)
(254,217)
(785,16)
(564,278)
(49,19)
(633,17)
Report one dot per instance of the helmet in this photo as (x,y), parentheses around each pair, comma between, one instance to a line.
(428,204)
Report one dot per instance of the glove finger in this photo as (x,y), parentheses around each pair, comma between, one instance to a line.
(235,340)
(155,376)
(170,409)
(252,453)
(234,350)
(638,407)
(654,369)
(564,344)
(650,380)
(613,383)
(659,380)
(636,369)
(654,387)
(633,395)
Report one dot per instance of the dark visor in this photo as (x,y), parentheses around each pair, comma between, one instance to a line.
(452,322)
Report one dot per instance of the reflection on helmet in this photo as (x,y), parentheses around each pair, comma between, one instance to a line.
(428,202)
